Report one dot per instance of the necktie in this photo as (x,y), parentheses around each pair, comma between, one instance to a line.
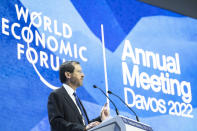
(81,108)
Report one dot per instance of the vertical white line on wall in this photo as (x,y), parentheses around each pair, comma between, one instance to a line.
(105,66)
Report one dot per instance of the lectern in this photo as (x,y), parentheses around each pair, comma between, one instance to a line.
(121,123)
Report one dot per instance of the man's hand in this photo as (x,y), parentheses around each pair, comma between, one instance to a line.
(104,112)
(91,125)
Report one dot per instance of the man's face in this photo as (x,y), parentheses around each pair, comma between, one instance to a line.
(77,76)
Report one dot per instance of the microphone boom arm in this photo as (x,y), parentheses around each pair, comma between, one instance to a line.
(117,112)
(125,104)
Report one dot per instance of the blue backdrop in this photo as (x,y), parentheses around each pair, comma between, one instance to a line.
(150,56)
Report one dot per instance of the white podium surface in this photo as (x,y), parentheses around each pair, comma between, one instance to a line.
(121,123)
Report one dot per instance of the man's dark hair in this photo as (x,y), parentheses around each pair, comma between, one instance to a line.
(66,67)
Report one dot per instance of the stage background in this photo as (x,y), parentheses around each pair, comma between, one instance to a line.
(36,36)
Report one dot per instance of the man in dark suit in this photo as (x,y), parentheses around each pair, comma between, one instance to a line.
(65,110)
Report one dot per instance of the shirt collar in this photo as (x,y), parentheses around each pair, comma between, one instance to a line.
(69,89)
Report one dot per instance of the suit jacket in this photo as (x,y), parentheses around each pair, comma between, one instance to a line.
(63,113)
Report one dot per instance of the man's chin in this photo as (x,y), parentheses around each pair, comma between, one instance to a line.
(80,84)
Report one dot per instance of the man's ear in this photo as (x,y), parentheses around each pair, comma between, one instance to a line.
(68,75)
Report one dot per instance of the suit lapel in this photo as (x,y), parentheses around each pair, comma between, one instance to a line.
(84,111)
(71,103)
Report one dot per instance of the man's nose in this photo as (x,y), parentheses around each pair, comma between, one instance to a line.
(82,75)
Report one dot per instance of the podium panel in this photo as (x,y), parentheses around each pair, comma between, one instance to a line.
(121,123)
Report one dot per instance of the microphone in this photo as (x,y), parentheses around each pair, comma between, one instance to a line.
(117,112)
(126,105)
